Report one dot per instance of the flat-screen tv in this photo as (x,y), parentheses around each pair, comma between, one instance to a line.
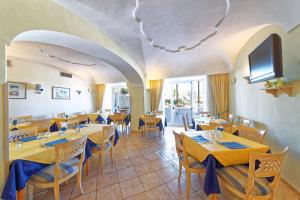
(266,60)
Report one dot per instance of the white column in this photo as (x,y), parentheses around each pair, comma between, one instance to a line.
(137,107)
(3,79)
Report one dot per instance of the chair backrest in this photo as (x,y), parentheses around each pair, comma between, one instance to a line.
(42,124)
(263,165)
(185,123)
(254,134)
(82,117)
(187,119)
(23,133)
(67,151)
(21,119)
(159,112)
(60,115)
(73,123)
(108,132)
(178,142)
(230,118)
(243,121)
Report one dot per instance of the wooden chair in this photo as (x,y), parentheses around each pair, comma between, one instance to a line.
(42,124)
(61,115)
(23,133)
(187,151)
(250,183)
(184,123)
(229,128)
(151,125)
(254,134)
(73,123)
(105,142)
(67,164)
(27,118)
(190,125)
(230,118)
(118,119)
(245,122)
(82,118)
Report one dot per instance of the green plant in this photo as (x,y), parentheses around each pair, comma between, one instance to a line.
(124,91)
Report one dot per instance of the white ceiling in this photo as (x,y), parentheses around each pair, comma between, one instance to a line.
(102,72)
(173,23)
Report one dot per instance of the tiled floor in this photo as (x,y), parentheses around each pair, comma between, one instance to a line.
(143,169)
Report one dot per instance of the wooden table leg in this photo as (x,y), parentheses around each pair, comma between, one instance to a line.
(87,167)
(213,197)
(20,194)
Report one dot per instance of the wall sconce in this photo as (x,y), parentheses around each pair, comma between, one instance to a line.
(78,92)
(247,78)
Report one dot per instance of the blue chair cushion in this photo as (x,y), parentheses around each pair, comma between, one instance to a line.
(107,145)
(193,163)
(46,175)
(237,177)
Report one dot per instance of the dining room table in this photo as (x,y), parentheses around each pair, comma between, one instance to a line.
(161,122)
(200,123)
(19,126)
(219,149)
(33,154)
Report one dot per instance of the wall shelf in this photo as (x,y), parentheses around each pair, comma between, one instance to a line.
(276,91)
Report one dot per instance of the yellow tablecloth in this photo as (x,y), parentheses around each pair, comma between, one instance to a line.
(20,125)
(223,154)
(34,150)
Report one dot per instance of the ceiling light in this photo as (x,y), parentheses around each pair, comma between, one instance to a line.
(43,51)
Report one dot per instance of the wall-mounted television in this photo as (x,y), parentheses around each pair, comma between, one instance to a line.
(265,61)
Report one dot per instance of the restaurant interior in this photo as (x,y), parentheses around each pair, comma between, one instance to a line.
(149,100)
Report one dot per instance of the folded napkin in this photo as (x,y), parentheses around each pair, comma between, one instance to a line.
(55,142)
(234,145)
(200,139)
(28,139)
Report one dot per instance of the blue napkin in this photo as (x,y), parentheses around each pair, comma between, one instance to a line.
(200,139)
(234,145)
(55,142)
(82,125)
(28,139)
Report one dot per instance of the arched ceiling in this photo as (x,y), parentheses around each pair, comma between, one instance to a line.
(100,72)
(174,22)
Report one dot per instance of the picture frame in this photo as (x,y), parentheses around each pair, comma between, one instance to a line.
(17,90)
(61,93)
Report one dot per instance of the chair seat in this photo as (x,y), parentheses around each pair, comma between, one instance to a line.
(107,145)
(237,177)
(46,175)
(193,163)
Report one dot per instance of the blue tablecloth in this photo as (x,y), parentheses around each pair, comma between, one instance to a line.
(100,119)
(159,124)
(54,127)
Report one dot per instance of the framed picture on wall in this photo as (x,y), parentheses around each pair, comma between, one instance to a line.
(16,90)
(60,93)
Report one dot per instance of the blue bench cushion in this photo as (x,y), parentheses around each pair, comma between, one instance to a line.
(193,163)
(237,177)
(46,175)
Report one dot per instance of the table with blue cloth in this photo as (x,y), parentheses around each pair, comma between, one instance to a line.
(125,118)
(25,162)
(161,122)
(223,151)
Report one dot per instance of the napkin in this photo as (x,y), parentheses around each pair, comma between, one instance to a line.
(28,139)
(200,139)
(55,142)
(234,145)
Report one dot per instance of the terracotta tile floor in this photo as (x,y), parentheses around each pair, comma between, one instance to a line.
(143,169)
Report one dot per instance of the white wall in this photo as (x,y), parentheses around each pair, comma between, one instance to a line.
(43,104)
(279,115)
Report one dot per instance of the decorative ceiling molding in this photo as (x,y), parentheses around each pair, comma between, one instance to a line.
(43,51)
(183,47)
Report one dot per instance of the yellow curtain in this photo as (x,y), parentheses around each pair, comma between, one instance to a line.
(100,89)
(156,87)
(219,89)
